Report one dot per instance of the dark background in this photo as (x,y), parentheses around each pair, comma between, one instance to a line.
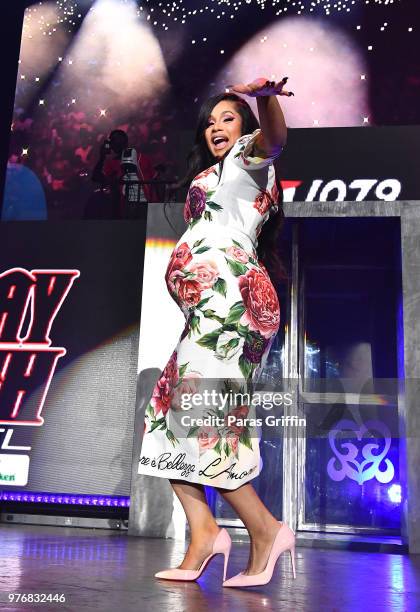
(394,95)
(85,443)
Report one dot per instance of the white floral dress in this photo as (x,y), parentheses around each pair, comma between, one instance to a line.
(198,427)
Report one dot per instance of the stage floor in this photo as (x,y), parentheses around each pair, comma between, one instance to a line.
(99,570)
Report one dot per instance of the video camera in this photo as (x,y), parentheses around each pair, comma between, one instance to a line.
(132,188)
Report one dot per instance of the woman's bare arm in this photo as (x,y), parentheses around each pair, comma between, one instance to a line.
(273,125)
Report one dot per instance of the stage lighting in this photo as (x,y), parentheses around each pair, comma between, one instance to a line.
(341,95)
(394,493)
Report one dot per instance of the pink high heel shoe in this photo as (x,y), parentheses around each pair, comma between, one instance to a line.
(284,540)
(222,544)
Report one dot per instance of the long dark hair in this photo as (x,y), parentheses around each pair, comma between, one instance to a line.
(201,158)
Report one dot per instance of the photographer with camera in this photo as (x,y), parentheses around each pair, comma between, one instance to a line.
(109,173)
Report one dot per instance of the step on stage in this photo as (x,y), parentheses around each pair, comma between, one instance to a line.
(108,571)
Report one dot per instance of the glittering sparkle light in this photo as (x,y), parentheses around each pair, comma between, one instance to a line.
(68,38)
(162,14)
(339,97)
(48,18)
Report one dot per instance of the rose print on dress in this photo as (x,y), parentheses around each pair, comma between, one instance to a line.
(231,316)
(198,204)
(232,441)
(205,273)
(240,413)
(254,347)
(195,204)
(225,439)
(182,282)
(180,257)
(228,344)
(205,173)
(262,310)
(263,202)
(167,394)
(207,437)
(238,253)
(245,331)
(189,385)
(161,396)
(187,290)
(187,279)
(237,432)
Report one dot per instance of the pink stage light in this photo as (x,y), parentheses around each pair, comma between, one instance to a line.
(326,71)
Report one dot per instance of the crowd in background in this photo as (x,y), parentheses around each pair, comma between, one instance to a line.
(62,145)
(60,140)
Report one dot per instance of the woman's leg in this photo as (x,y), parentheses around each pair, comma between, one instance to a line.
(260,523)
(203,526)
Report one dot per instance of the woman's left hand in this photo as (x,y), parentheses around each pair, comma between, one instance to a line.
(261,87)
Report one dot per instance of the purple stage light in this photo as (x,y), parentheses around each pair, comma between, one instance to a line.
(62,498)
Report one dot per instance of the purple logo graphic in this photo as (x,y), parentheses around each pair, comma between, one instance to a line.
(373,453)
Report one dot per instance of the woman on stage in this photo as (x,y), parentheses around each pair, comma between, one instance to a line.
(232,316)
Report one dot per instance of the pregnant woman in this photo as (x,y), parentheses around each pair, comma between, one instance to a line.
(232,316)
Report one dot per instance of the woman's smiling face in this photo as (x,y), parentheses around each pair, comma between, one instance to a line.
(224,127)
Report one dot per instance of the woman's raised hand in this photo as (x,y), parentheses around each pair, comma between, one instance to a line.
(261,87)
